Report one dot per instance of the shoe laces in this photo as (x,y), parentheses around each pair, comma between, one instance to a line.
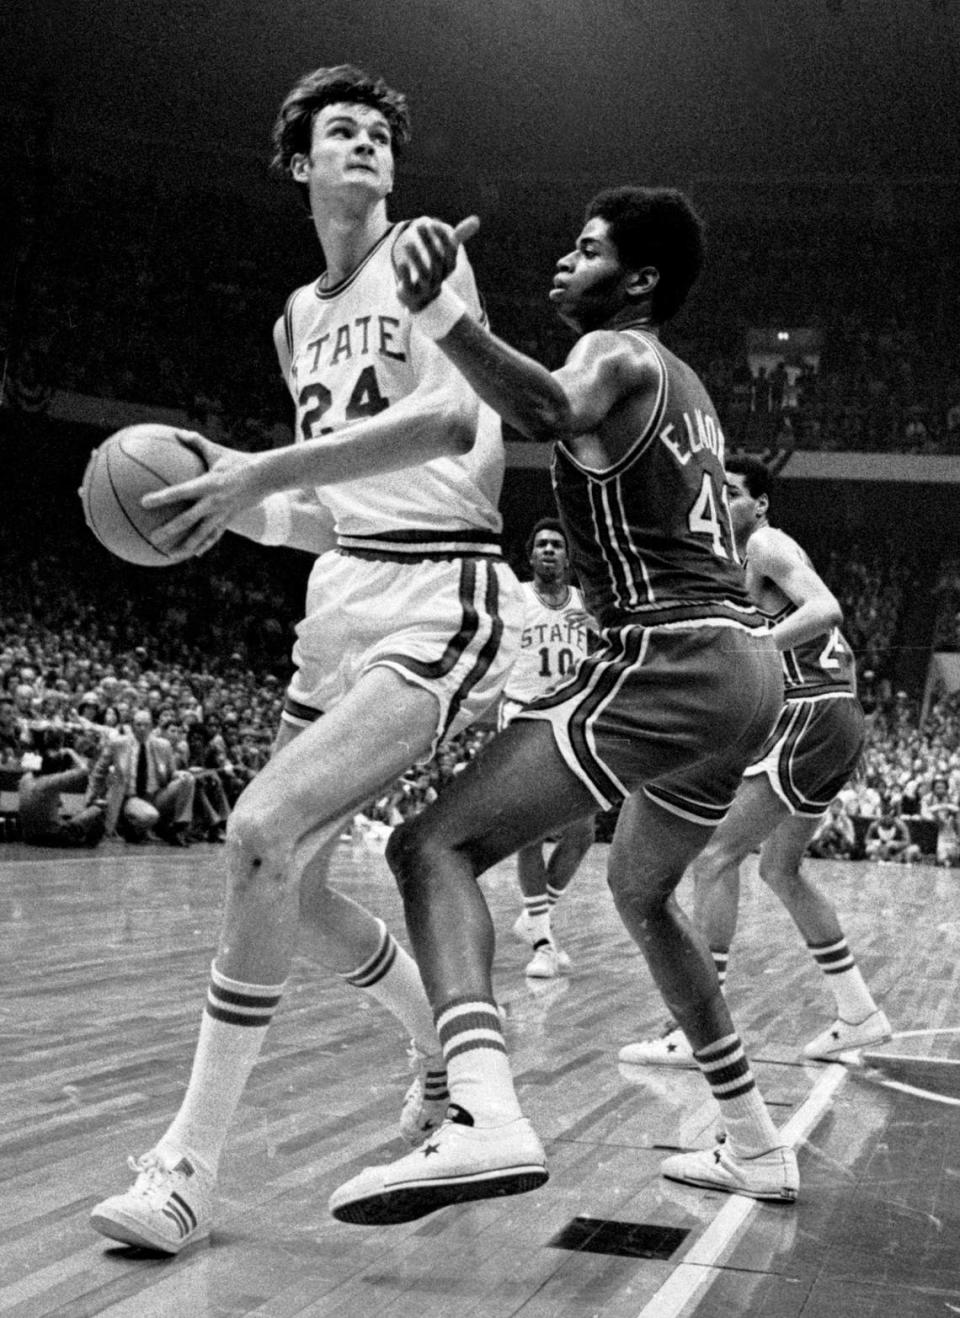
(152,1175)
(421,1062)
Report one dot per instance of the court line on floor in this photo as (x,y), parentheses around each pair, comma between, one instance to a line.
(697,1270)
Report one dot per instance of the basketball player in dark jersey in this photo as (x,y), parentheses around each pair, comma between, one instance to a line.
(811,753)
(664,717)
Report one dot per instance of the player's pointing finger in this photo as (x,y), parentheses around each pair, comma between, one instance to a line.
(467,228)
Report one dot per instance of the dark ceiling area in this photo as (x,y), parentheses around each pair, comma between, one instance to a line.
(535,88)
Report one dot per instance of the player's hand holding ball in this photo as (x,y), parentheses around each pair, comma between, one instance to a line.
(155,494)
(212,499)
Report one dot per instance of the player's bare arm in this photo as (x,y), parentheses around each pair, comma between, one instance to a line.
(432,421)
(776,557)
(601,370)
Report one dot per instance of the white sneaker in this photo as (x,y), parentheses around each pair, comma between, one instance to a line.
(521,932)
(425,1102)
(166,1208)
(456,1164)
(544,964)
(842,1036)
(770,1175)
(672,1049)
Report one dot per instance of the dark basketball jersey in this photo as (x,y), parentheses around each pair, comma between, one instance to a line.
(824,666)
(650,537)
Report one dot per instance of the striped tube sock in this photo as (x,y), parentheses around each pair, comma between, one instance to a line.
(538,918)
(391,976)
(554,895)
(478,1071)
(854,1000)
(721,955)
(745,1117)
(232,1031)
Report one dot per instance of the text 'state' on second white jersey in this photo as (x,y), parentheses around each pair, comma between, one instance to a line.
(553,641)
(353,352)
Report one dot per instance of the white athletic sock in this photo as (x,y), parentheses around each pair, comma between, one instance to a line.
(478,1072)
(854,1000)
(745,1117)
(554,895)
(391,976)
(538,919)
(232,1031)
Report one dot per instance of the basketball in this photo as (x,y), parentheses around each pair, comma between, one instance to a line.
(133,462)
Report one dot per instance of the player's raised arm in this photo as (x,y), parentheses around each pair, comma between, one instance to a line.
(542,405)
(775,556)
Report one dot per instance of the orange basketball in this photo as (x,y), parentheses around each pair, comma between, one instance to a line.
(131,463)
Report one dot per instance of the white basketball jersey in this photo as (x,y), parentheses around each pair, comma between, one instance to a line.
(551,644)
(354,352)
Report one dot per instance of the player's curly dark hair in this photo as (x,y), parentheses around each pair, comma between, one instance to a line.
(547,524)
(658,227)
(328,86)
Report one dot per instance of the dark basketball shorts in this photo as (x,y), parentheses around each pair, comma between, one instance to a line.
(812,751)
(679,711)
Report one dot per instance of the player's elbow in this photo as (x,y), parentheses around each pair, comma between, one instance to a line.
(456,432)
(546,418)
(833,611)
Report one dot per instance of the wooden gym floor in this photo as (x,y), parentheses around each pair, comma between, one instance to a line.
(104,967)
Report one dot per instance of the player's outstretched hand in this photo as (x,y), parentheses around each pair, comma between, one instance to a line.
(213,499)
(423,256)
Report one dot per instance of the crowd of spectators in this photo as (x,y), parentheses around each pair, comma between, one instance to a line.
(90,651)
(80,667)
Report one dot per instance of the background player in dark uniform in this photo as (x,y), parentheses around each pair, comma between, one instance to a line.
(663,717)
(811,753)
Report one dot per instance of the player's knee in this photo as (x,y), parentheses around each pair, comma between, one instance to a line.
(419,852)
(719,856)
(642,889)
(402,852)
(778,875)
(408,851)
(258,847)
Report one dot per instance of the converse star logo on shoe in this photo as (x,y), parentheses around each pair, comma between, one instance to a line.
(430,1148)
(834,1034)
(716,1156)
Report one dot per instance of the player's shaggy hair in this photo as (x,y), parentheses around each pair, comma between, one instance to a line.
(341,83)
(658,227)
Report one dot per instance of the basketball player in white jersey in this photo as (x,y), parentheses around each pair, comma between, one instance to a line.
(556,636)
(411,624)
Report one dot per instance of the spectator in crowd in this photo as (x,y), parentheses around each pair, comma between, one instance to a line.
(942,807)
(11,741)
(888,839)
(836,837)
(211,809)
(147,791)
(44,821)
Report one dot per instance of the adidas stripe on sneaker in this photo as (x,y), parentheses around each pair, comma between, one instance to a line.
(166,1208)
